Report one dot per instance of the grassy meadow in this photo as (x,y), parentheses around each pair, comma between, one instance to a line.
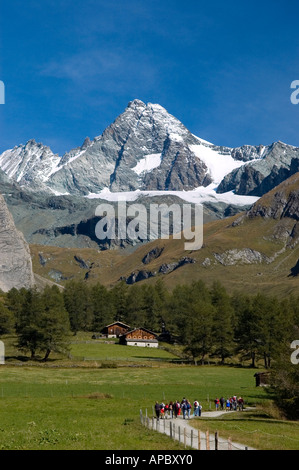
(94,404)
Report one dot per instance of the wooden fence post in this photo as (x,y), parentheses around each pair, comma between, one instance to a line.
(191,437)
(208,440)
(198,437)
(229,443)
(216,440)
(185,438)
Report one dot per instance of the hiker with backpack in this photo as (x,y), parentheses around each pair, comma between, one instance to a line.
(177,408)
(195,408)
(189,408)
(184,409)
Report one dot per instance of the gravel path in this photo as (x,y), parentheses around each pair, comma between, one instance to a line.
(181,430)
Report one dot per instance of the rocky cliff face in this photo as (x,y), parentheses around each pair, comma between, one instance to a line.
(281,202)
(282,205)
(272,165)
(15,261)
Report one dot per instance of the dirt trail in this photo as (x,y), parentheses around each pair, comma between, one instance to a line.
(183,431)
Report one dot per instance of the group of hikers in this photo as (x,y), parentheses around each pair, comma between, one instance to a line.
(184,407)
(232,403)
(177,408)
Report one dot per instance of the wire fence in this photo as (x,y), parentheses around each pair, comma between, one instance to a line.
(180,430)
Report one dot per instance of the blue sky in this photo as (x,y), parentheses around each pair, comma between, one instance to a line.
(224,68)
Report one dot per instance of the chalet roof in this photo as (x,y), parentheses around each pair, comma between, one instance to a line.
(117,323)
(140,328)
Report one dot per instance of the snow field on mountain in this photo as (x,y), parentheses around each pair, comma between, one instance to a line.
(219,165)
(148,163)
(196,196)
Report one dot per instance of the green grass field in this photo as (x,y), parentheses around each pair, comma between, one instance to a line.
(69,405)
(110,351)
(257,429)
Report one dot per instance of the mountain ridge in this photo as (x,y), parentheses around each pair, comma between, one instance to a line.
(145,148)
(145,155)
(255,250)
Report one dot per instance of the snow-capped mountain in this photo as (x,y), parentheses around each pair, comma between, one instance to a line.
(144,148)
(30,163)
(148,149)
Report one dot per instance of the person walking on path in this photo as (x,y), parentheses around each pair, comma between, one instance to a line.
(184,409)
(241,404)
(222,401)
(177,407)
(196,408)
(171,410)
(157,410)
(188,404)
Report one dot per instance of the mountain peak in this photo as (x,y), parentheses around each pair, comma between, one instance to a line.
(86,143)
(154,107)
(26,162)
(147,148)
(136,103)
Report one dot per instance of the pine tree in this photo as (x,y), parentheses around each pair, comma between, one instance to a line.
(103,310)
(14,301)
(135,306)
(198,331)
(29,328)
(55,323)
(222,322)
(152,308)
(6,319)
(247,328)
(44,323)
(78,305)
(119,298)
(179,307)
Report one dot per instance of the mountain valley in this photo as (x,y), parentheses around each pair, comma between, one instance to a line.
(249,196)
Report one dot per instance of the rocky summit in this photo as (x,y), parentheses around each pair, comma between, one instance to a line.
(15,259)
(148,149)
(145,148)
